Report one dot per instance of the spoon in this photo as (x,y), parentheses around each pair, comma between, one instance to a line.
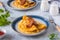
(52,21)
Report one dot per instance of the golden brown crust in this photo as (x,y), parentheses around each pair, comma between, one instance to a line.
(22,4)
(29,26)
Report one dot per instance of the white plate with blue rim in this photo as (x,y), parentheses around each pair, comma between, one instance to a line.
(37,18)
(9,3)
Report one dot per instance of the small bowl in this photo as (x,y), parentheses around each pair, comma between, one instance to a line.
(4,33)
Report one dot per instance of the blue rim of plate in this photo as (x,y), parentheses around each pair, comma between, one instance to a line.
(33,16)
(9,2)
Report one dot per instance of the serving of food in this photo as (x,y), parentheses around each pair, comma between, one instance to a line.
(2,33)
(22,4)
(29,26)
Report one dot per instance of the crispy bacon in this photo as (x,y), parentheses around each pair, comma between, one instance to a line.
(32,22)
(22,2)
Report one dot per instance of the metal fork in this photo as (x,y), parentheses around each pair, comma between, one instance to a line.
(2,4)
(52,21)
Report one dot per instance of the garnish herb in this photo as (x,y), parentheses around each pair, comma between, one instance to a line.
(52,36)
(3,18)
(1,10)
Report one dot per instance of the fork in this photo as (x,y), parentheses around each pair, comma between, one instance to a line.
(52,21)
(2,4)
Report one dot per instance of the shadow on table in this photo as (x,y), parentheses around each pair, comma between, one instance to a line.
(7,37)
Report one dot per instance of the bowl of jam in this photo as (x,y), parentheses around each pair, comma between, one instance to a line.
(2,33)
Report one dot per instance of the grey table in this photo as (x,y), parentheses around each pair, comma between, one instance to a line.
(12,35)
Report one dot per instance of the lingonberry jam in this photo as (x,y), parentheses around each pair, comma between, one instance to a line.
(1,33)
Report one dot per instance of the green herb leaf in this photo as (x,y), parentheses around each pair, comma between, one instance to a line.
(1,10)
(3,19)
(52,36)
(7,14)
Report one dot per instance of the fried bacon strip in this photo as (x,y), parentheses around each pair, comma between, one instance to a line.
(32,22)
(22,2)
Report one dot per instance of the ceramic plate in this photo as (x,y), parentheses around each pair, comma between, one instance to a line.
(37,18)
(10,2)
